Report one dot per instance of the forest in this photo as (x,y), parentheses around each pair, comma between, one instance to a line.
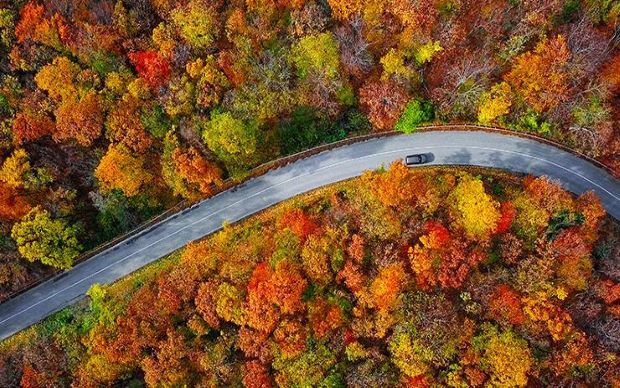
(112,111)
(399,278)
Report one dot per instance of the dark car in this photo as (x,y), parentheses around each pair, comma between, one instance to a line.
(412,160)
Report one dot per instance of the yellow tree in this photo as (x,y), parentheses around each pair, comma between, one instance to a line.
(473,209)
(408,354)
(15,168)
(394,66)
(196,23)
(210,80)
(58,78)
(343,9)
(316,53)
(426,52)
(494,103)
(506,357)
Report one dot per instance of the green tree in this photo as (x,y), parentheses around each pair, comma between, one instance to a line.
(533,122)
(155,121)
(305,130)
(102,307)
(266,94)
(592,112)
(308,369)
(7,25)
(115,215)
(416,112)
(168,169)
(232,140)
(52,241)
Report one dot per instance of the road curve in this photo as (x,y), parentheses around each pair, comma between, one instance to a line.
(448,148)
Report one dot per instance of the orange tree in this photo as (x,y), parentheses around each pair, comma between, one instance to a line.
(118,169)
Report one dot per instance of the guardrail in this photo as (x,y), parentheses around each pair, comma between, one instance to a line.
(525,135)
(281,162)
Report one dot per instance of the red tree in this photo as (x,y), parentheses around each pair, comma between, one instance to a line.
(508,213)
(299,222)
(151,66)
(262,314)
(256,375)
(384,102)
(446,265)
(30,127)
(437,234)
(12,205)
(505,304)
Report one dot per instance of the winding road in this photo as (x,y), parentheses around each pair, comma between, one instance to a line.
(448,148)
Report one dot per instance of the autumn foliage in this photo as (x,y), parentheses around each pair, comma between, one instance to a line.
(151,66)
(284,297)
(196,170)
(474,210)
(505,305)
(541,76)
(113,111)
(30,127)
(196,92)
(384,101)
(13,206)
(299,222)
(118,169)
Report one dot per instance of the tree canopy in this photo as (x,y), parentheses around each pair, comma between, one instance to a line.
(115,110)
(314,292)
(52,241)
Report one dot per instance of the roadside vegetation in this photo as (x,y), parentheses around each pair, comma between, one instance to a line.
(111,111)
(400,277)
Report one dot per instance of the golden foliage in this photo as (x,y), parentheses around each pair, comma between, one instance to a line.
(15,168)
(540,76)
(118,169)
(494,103)
(473,209)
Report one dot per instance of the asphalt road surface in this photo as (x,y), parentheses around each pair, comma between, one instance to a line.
(447,148)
